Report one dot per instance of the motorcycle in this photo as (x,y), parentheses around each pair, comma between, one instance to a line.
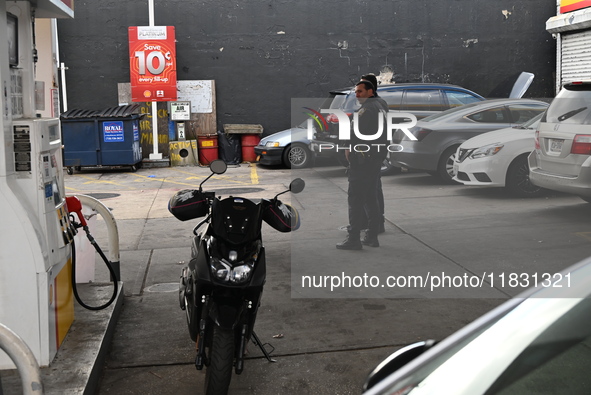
(220,289)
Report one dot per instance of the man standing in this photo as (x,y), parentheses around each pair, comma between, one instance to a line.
(380,194)
(367,151)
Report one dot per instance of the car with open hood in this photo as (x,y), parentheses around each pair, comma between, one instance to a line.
(419,99)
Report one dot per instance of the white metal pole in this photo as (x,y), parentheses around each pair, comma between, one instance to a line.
(151,12)
(63,69)
(155,154)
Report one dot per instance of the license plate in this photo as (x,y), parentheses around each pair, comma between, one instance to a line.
(556,145)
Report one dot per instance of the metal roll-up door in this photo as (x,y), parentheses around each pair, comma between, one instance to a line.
(576,56)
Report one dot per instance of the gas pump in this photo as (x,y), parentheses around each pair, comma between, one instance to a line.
(36,300)
(35,255)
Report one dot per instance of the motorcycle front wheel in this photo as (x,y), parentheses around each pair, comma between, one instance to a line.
(221,359)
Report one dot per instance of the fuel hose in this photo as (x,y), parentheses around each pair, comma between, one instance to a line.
(109,266)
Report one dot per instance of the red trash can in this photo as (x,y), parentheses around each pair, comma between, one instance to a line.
(207,149)
(249,141)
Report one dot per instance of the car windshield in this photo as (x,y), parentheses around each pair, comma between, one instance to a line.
(571,106)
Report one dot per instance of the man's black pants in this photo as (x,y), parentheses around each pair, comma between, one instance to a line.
(364,210)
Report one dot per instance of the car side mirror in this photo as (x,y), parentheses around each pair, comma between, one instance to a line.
(395,361)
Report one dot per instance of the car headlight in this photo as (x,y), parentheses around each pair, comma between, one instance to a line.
(487,150)
(272,144)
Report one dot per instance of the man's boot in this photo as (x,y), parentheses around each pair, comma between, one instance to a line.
(351,242)
(370,239)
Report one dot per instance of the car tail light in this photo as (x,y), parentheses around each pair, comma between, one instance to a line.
(332,118)
(581,144)
(537,140)
(421,133)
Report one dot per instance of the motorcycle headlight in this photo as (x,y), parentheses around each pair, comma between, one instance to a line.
(487,150)
(220,269)
(223,271)
(241,273)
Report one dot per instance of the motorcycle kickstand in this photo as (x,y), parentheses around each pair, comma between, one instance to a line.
(257,341)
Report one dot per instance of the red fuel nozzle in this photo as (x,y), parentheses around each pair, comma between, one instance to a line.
(75,206)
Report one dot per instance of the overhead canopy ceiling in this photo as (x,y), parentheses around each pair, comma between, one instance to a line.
(53,8)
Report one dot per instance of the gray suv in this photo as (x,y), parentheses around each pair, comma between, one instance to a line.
(419,99)
(562,157)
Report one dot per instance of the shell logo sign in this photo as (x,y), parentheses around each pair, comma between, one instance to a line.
(152,63)
(572,5)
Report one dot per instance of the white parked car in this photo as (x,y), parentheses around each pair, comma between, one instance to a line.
(499,159)
(536,343)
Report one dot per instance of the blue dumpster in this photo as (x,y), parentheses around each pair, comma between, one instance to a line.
(101,138)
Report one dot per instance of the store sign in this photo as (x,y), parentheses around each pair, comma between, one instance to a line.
(180,111)
(572,5)
(152,63)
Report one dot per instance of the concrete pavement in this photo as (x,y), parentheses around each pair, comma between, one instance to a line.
(324,342)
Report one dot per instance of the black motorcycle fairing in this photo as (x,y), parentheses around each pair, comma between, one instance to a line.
(209,247)
(236,220)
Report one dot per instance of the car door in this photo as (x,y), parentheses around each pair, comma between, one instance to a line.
(393,98)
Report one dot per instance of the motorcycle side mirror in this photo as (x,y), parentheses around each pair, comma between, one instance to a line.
(297,185)
(218,166)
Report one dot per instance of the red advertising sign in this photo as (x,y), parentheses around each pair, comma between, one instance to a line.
(572,5)
(152,63)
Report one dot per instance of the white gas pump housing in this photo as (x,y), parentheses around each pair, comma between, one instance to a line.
(36,299)
(35,258)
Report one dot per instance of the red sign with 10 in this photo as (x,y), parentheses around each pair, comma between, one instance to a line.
(152,63)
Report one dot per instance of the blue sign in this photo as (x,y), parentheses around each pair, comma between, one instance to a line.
(136,133)
(113,131)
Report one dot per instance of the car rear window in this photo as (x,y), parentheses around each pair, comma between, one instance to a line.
(457,98)
(492,115)
(570,106)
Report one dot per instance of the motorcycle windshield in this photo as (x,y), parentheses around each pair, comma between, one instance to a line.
(237,220)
